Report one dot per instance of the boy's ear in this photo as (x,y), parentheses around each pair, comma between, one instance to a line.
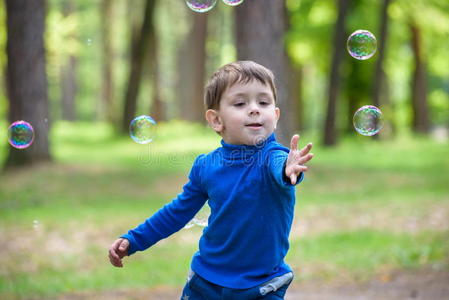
(278,114)
(214,120)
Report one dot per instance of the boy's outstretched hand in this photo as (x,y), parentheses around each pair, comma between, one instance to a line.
(117,251)
(296,159)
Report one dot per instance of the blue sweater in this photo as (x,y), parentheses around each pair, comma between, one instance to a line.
(251,205)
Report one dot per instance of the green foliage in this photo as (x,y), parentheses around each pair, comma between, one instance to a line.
(309,41)
(364,252)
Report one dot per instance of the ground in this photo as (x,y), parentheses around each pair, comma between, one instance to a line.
(419,285)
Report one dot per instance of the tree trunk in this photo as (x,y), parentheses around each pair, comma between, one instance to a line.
(295,84)
(27,79)
(379,75)
(296,101)
(260,28)
(192,67)
(157,108)
(357,86)
(68,76)
(139,51)
(106,110)
(68,89)
(421,123)
(330,127)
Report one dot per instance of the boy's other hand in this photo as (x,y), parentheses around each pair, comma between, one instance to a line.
(296,159)
(117,251)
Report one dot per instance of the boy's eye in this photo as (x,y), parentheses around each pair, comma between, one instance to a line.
(239,104)
(264,103)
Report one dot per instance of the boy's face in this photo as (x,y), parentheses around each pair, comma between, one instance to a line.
(247,114)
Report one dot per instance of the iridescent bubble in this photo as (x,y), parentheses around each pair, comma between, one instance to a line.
(200,219)
(232,2)
(20,134)
(202,222)
(368,120)
(362,44)
(189,225)
(201,6)
(142,129)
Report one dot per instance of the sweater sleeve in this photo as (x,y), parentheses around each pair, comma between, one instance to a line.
(276,168)
(172,217)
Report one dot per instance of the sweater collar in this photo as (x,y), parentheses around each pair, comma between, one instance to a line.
(242,151)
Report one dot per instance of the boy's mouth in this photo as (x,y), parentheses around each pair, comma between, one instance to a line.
(254,125)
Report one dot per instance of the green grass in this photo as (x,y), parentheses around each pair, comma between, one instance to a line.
(365,207)
(363,252)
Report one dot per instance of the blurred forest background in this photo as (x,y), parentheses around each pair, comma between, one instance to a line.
(80,70)
(110,61)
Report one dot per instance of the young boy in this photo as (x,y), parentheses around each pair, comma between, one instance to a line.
(248,183)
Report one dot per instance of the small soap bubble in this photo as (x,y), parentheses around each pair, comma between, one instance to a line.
(202,222)
(368,120)
(362,44)
(233,2)
(89,42)
(189,225)
(20,134)
(201,218)
(142,129)
(201,6)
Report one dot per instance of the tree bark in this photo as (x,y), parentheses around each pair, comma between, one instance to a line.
(421,123)
(260,28)
(157,108)
(330,126)
(139,52)
(296,101)
(68,76)
(295,84)
(27,79)
(357,85)
(106,110)
(68,89)
(379,75)
(192,68)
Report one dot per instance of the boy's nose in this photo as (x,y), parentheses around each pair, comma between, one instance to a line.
(253,109)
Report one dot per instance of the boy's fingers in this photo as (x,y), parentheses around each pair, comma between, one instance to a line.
(114,259)
(116,244)
(113,254)
(306,149)
(117,264)
(124,245)
(293,178)
(305,159)
(300,168)
(294,142)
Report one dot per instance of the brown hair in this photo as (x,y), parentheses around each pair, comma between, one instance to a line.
(227,75)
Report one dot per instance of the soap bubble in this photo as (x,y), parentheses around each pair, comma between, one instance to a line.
(362,44)
(201,218)
(232,2)
(142,129)
(201,222)
(368,120)
(20,134)
(201,6)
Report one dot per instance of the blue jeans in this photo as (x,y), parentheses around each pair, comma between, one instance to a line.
(197,288)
